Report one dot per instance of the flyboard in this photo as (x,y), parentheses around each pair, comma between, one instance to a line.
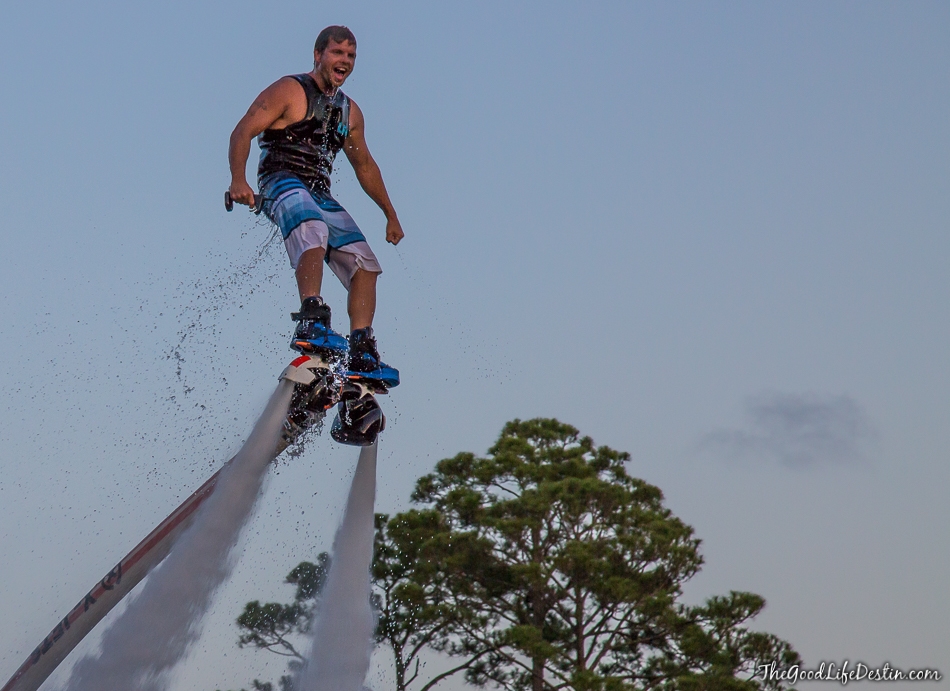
(319,384)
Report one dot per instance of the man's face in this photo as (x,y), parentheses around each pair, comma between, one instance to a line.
(336,62)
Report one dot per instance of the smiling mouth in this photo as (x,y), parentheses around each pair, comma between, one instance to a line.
(340,72)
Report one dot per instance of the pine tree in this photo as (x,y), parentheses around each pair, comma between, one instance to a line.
(562,571)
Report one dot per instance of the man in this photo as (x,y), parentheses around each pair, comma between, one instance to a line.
(303,121)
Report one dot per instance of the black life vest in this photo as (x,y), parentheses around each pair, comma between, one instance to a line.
(307,149)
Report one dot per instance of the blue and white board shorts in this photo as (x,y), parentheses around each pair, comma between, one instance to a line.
(309,219)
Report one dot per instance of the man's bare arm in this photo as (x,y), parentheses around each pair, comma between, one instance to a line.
(369,175)
(269,109)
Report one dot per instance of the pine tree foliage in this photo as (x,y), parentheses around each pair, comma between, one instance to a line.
(273,626)
(413,613)
(269,626)
(564,572)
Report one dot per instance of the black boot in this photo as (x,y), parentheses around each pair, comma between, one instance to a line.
(313,331)
(364,359)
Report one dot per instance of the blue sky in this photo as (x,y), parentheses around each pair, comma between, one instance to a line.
(711,234)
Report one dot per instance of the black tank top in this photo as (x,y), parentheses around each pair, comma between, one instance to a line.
(307,148)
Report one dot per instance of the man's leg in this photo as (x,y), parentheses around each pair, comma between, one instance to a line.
(313,329)
(361,301)
(310,273)
(361,305)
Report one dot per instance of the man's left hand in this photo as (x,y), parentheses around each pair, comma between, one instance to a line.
(394,231)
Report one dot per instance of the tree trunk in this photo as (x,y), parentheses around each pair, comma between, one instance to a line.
(579,631)
(537,612)
(400,671)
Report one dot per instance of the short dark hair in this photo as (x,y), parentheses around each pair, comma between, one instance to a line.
(338,34)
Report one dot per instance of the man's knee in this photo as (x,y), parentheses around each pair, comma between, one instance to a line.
(366,276)
(314,255)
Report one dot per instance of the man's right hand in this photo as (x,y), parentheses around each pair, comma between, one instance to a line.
(241,192)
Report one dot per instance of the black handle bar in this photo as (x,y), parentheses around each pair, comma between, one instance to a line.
(258,202)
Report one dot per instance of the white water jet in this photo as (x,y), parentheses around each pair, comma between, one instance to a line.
(343,630)
(154,632)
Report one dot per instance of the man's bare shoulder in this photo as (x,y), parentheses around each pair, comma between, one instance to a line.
(356,116)
(285,90)
(285,99)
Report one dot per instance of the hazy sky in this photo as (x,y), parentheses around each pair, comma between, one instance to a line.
(711,234)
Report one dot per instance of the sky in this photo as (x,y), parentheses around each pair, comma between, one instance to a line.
(711,234)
